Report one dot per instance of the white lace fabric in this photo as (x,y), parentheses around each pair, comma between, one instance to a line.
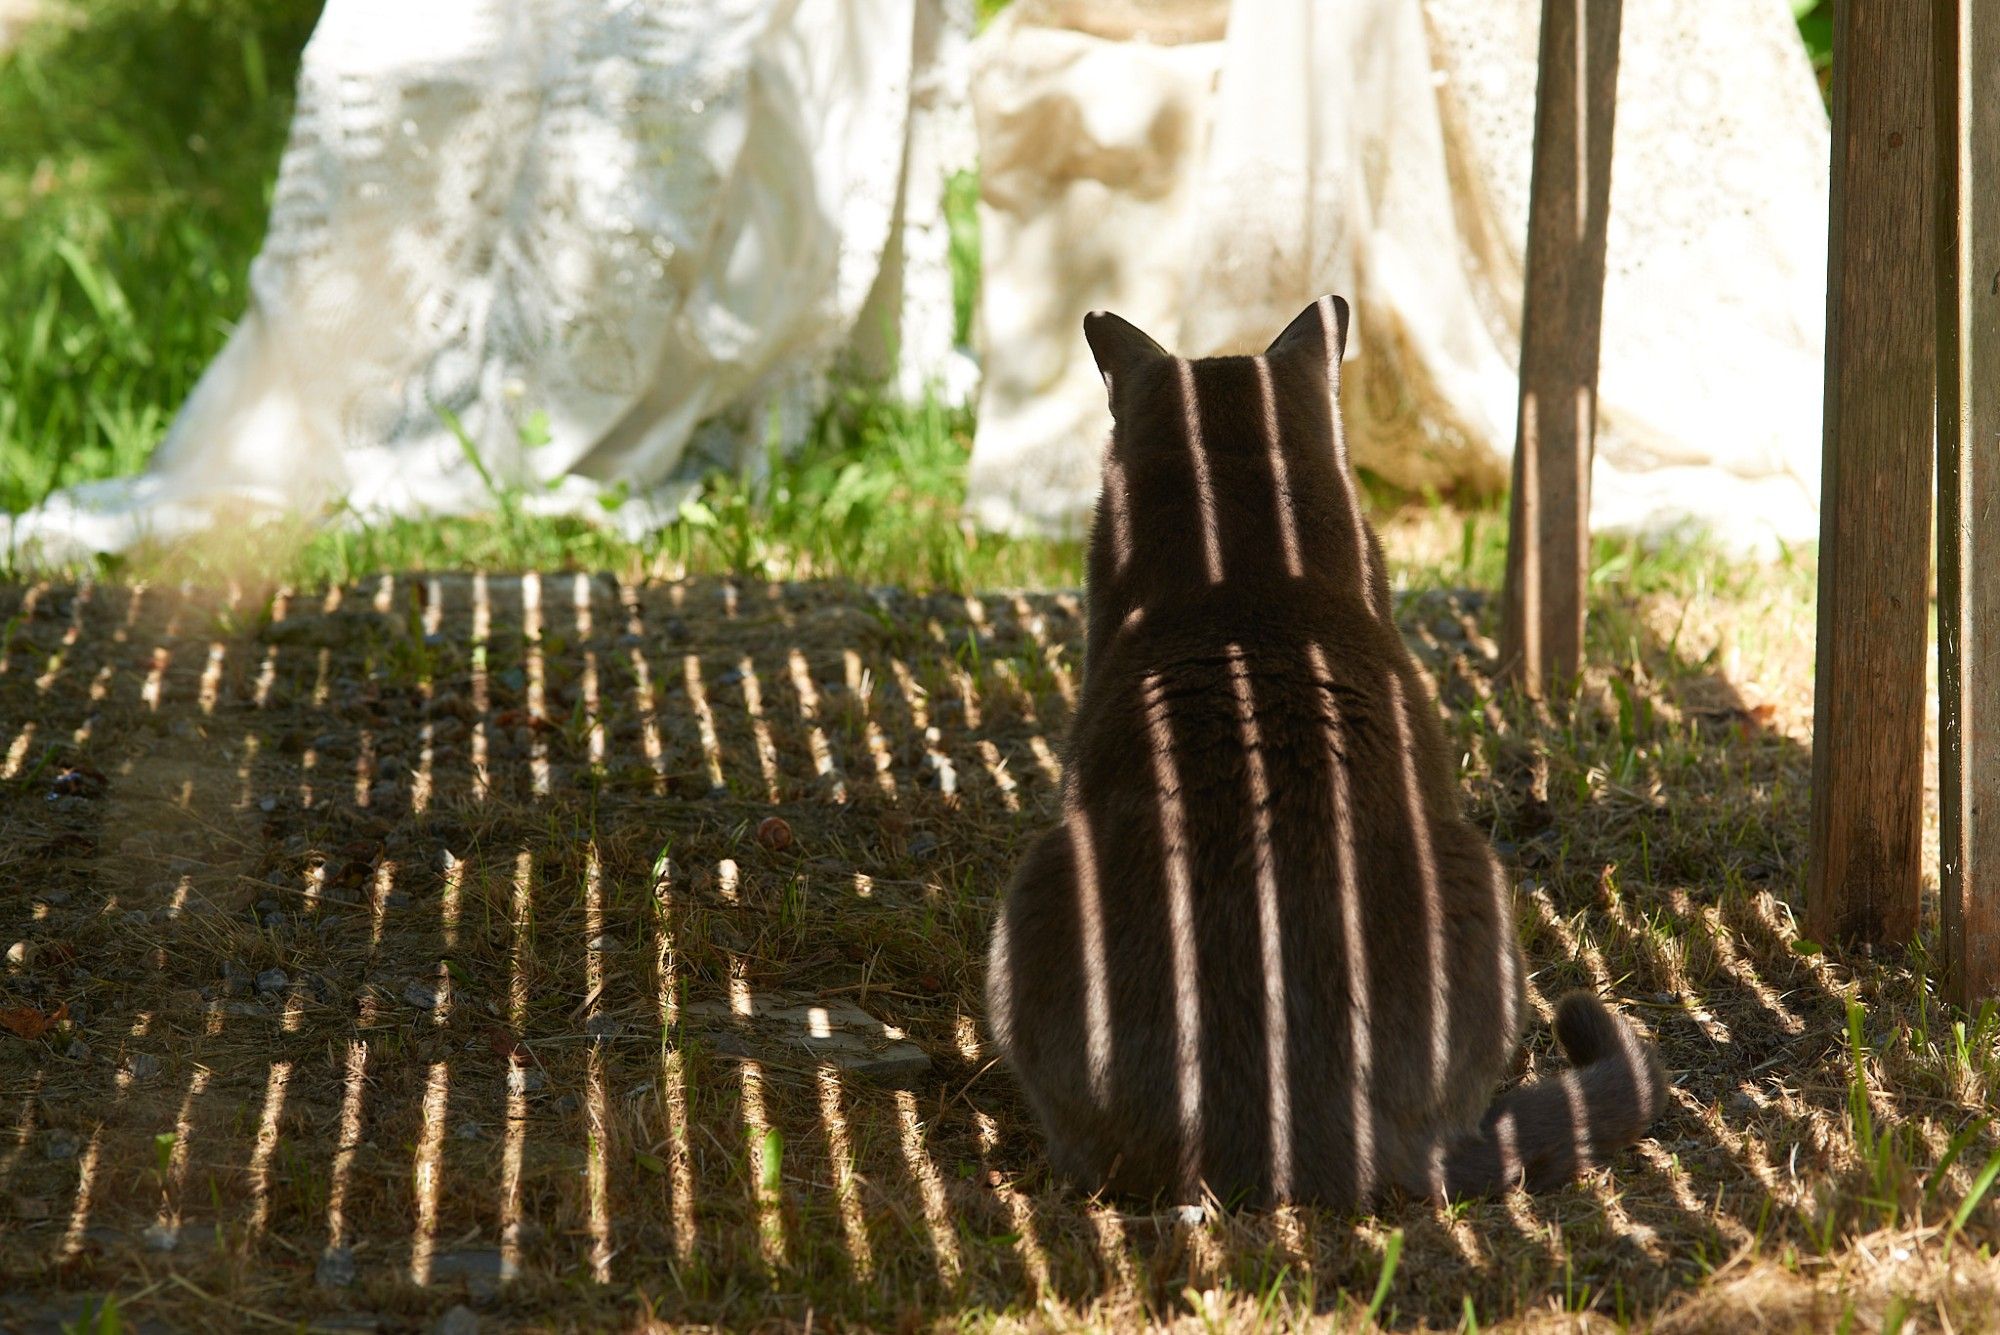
(1209,188)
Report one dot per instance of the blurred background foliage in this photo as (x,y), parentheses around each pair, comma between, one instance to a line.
(139,140)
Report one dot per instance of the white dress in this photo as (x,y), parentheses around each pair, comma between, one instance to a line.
(1208,183)
(652,224)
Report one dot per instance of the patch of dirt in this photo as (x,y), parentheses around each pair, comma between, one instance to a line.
(382,942)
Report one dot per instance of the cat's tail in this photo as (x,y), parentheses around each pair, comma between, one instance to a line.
(1542,1134)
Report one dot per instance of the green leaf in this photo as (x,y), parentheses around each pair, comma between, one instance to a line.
(652,1163)
(696,515)
(1392,1252)
(1980,1186)
(163,1150)
(534,430)
(99,287)
(774,1158)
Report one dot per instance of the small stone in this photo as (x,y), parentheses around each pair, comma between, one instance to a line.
(391,767)
(525,1079)
(142,1065)
(603,942)
(468,1131)
(135,917)
(236,980)
(162,1238)
(335,1269)
(272,980)
(481,1270)
(729,678)
(384,793)
(568,1103)
(395,899)
(924,845)
(267,805)
(59,1145)
(422,997)
(460,1320)
(77,1051)
(443,860)
(601,1027)
(17,954)
(55,899)
(272,922)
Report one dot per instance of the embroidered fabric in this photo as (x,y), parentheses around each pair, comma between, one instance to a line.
(1208,189)
(660,226)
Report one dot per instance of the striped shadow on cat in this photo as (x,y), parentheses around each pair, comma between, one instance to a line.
(1263,955)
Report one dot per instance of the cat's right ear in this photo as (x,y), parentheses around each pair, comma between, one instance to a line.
(1319,333)
(1120,347)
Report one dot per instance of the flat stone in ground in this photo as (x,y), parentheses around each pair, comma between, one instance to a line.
(481,1269)
(784,1027)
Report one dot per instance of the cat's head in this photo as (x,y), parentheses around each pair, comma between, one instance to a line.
(1225,471)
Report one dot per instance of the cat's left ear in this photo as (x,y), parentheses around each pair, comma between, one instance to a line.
(1120,347)
(1319,332)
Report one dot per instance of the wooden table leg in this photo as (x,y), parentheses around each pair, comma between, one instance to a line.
(1569,198)
(1968,533)
(1881,341)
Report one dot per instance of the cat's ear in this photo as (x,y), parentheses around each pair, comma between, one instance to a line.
(1120,347)
(1319,333)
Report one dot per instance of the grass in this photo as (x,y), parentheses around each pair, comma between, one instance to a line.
(138,142)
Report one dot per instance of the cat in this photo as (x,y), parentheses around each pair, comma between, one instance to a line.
(1263,957)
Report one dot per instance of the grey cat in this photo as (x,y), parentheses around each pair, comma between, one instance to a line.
(1264,956)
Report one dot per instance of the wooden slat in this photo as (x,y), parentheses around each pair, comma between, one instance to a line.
(1881,341)
(1569,198)
(1968,164)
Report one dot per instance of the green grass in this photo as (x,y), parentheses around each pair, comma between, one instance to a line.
(137,151)
(874,496)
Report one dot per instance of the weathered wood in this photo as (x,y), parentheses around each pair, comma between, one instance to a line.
(1881,343)
(1968,533)
(1569,198)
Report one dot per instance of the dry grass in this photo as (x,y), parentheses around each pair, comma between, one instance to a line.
(485,1071)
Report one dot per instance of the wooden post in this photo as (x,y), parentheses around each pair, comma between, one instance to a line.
(1968,533)
(1569,198)
(1881,364)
